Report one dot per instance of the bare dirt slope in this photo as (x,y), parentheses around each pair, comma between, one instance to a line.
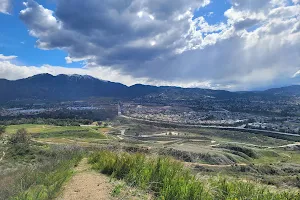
(87,185)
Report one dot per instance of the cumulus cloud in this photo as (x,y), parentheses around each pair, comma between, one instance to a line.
(161,41)
(3,57)
(5,6)
(112,32)
(11,71)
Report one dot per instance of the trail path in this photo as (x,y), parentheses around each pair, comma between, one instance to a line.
(188,164)
(3,154)
(87,185)
(290,145)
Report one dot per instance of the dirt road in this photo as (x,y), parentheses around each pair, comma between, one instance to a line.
(87,185)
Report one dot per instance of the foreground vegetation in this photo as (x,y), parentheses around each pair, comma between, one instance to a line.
(38,171)
(41,181)
(38,158)
(46,182)
(168,179)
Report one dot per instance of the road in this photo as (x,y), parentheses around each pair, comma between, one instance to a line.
(214,127)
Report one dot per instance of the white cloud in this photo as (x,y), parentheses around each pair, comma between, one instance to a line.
(257,78)
(296,74)
(12,71)
(3,57)
(5,6)
(159,42)
(296,1)
(42,21)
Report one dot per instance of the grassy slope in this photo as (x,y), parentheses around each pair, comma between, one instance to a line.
(37,173)
(47,183)
(45,131)
(272,165)
(169,180)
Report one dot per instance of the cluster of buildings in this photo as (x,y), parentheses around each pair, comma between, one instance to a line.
(185,115)
(284,126)
(221,117)
(21,111)
(36,111)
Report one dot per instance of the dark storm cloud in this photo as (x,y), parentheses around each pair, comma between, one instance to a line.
(244,24)
(111,31)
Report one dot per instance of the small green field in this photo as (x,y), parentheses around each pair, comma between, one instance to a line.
(49,131)
(31,128)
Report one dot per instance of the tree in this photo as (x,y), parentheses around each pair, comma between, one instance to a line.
(2,130)
(19,143)
(21,137)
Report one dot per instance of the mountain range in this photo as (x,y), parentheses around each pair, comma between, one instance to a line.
(74,87)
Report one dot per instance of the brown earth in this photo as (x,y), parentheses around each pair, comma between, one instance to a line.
(87,185)
(190,164)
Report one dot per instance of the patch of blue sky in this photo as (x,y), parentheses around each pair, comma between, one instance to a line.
(290,2)
(16,40)
(214,12)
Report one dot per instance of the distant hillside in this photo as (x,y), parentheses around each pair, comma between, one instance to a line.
(61,87)
(74,87)
(293,90)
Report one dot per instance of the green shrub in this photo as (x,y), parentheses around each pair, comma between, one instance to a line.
(117,190)
(165,177)
(2,130)
(21,136)
(44,179)
(241,151)
(169,180)
(44,185)
(19,144)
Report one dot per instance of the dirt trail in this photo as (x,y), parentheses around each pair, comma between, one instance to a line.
(290,145)
(188,164)
(3,154)
(87,185)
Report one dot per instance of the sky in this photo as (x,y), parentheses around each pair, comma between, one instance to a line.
(218,44)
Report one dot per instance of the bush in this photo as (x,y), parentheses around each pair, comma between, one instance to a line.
(42,180)
(45,184)
(238,150)
(165,177)
(19,143)
(169,180)
(21,136)
(2,130)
